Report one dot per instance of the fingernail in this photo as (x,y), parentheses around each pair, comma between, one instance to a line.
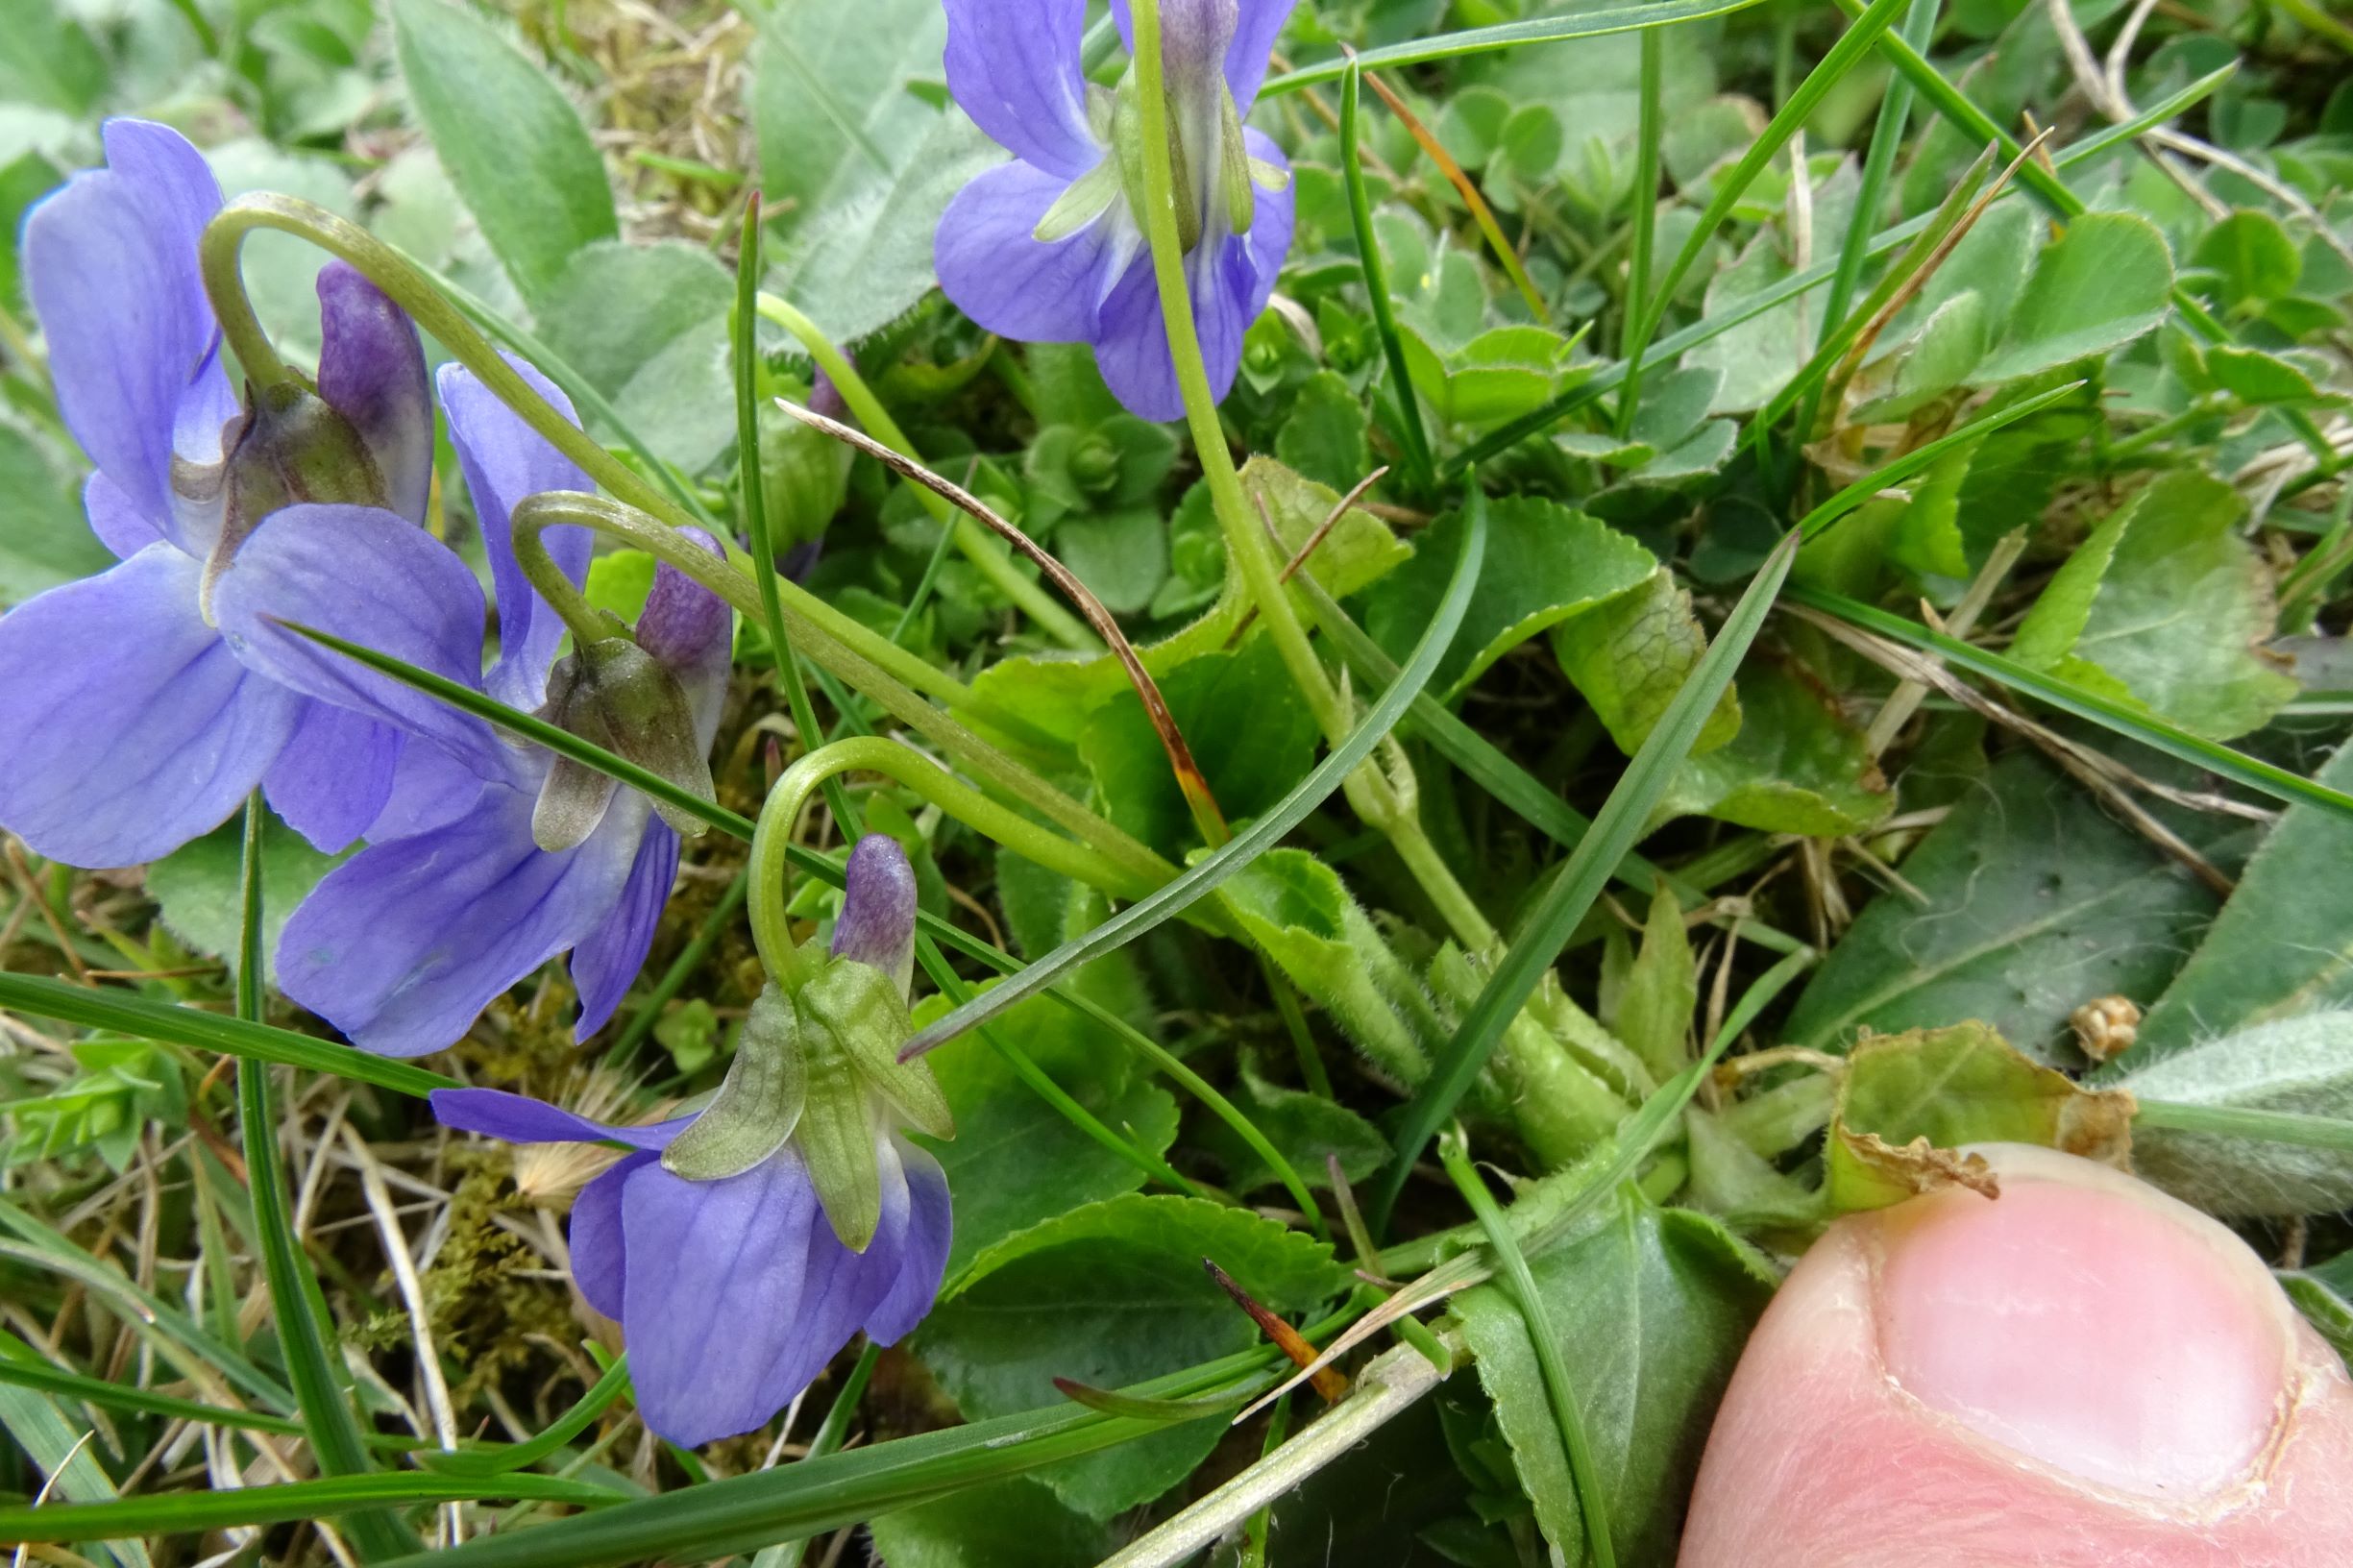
(2088,1321)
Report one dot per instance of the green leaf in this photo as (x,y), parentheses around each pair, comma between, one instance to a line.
(619,583)
(1247,727)
(512,143)
(1953,1087)
(1122,556)
(1010,1524)
(195,887)
(1053,697)
(59,1449)
(1650,1308)
(2032,903)
(1661,992)
(2302,1065)
(1110,1294)
(1328,436)
(2096,288)
(1545,564)
(2165,604)
(646,325)
(51,60)
(2252,255)
(47,542)
(1298,911)
(1797,765)
(858,160)
(1016,1160)
(1306,1128)
(2283,944)
(1631,656)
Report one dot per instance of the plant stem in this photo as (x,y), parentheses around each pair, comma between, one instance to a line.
(1646,197)
(986,555)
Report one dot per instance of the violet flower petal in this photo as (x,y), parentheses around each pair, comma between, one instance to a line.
(111,268)
(370,578)
(609,957)
(518,1118)
(118,521)
(991,265)
(431,789)
(402,945)
(1014,66)
(738,1295)
(1230,281)
(371,371)
(922,1250)
(600,1252)
(335,775)
(505,460)
(130,727)
(879,902)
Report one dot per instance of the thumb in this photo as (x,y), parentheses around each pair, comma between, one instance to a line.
(2083,1371)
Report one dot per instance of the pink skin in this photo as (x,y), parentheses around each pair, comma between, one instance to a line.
(2083,1373)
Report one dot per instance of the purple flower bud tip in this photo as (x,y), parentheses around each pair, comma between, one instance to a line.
(825,397)
(371,371)
(878,924)
(683,620)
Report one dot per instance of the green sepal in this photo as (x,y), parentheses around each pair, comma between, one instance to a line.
(757,1108)
(620,697)
(1234,165)
(836,1140)
(290,448)
(1127,153)
(572,800)
(1088,199)
(860,1010)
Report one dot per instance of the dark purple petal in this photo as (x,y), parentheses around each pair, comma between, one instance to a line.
(1014,66)
(738,1295)
(117,520)
(599,1259)
(921,1248)
(402,945)
(691,631)
(371,371)
(505,460)
(130,727)
(994,267)
(518,1118)
(373,578)
(608,957)
(878,924)
(111,268)
(334,775)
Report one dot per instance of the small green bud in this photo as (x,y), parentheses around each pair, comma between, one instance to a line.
(615,693)
(1095,463)
(291,448)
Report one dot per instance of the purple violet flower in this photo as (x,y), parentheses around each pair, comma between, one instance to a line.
(132,727)
(1048,248)
(453,900)
(733,1294)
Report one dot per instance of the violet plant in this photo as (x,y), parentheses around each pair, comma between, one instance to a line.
(1490,399)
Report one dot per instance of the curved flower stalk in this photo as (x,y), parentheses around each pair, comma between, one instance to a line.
(734,1290)
(132,725)
(491,859)
(1050,248)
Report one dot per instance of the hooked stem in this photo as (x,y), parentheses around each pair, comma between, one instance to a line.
(812,636)
(788,962)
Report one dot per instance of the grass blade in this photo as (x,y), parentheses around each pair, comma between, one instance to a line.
(1581,877)
(123,1013)
(1843,57)
(1410,428)
(1480,40)
(1310,793)
(296,1302)
(2134,725)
